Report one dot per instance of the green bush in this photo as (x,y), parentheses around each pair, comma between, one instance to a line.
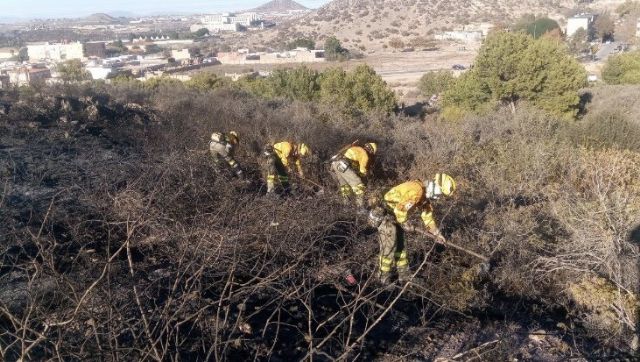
(333,50)
(536,27)
(622,69)
(207,81)
(302,43)
(435,82)
(514,67)
(360,90)
(201,32)
(72,71)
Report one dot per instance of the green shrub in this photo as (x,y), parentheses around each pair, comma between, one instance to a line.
(72,71)
(622,69)
(536,27)
(435,82)
(360,90)
(514,67)
(207,81)
(301,43)
(333,50)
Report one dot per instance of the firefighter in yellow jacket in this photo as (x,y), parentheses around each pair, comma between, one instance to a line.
(280,159)
(351,167)
(222,147)
(402,201)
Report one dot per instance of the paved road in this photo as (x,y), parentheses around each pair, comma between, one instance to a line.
(606,50)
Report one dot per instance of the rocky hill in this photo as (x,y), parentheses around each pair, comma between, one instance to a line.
(373,24)
(99,18)
(279,6)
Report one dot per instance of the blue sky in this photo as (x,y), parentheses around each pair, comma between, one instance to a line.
(77,8)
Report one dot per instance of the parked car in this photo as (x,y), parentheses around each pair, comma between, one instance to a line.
(458,67)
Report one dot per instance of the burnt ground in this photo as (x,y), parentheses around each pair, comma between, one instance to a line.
(116,246)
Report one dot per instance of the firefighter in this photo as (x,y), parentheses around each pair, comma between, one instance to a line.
(403,200)
(351,167)
(280,159)
(222,147)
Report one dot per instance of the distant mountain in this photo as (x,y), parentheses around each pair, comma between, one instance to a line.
(279,6)
(99,18)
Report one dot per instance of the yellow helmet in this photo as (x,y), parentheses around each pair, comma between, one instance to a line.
(371,147)
(303,150)
(442,184)
(233,137)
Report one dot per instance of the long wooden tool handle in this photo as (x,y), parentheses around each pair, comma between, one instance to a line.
(450,244)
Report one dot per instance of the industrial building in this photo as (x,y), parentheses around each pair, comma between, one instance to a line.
(226,22)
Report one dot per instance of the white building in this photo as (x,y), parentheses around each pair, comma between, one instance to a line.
(182,54)
(101,72)
(461,35)
(584,21)
(57,52)
(226,22)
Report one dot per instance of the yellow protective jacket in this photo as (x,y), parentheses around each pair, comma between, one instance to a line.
(285,153)
(407,197)
(359,158)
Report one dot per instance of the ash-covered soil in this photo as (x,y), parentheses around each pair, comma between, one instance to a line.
(117,242)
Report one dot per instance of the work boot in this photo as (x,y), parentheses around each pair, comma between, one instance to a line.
(403,277)
(384,278)
(271,188)
(271,196)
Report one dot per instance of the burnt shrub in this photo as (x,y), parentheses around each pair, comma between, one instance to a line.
(118,228)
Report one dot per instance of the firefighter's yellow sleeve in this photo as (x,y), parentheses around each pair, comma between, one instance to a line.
(360,156)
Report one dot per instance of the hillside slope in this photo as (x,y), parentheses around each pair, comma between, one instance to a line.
(371,24)
(119,223)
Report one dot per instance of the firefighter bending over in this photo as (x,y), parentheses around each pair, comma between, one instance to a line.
(400,202)
(279,161)
(222,147)
(351,167)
